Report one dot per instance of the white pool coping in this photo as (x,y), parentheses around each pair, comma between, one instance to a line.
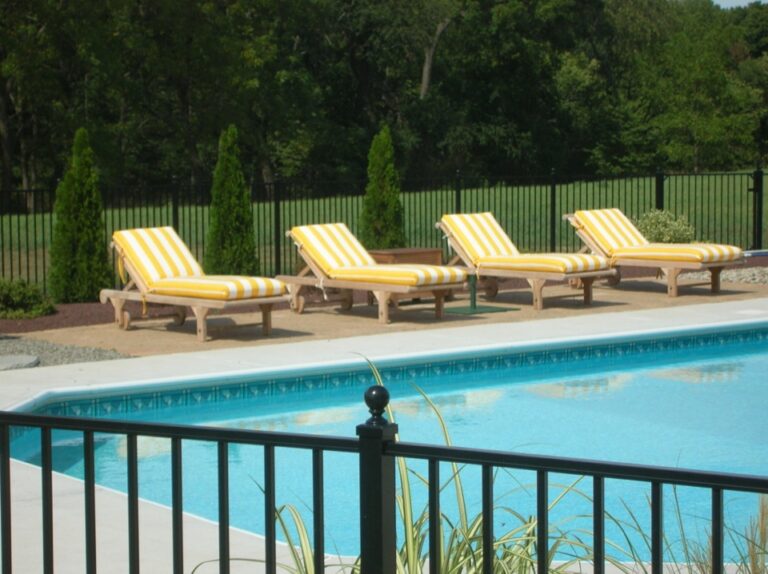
(30,386)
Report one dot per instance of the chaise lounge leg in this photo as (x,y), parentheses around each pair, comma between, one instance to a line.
(537,286)
(118,305)
(201,313)
(672,275)
(383,298)
(715,271)
(587,285)
(266,319)
(439,303)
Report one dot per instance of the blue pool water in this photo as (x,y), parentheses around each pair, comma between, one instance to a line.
(693,401)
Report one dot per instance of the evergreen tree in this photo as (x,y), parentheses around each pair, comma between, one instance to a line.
(381,223)
(230,245)
(79,262)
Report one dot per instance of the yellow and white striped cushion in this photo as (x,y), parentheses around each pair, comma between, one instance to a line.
(617,237)
(157,253)
(411,275)
(479,235)
(546,263)
(686,252)
(219,287)
(332,246)
(610,229)
(167,267)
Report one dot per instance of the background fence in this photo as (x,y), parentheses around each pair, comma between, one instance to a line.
(723,207)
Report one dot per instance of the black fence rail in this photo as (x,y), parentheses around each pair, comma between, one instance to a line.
(724,207)
(377,451)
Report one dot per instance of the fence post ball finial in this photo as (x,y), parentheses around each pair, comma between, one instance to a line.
(377,399)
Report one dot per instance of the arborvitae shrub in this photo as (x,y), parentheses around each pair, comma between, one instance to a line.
(79,261)
(381,223)
(20,300)
(230,245)
(660,226)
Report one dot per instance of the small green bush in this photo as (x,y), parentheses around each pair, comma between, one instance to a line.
(230,245)
(381,222)
(20,300)
(660,226)
(79,262)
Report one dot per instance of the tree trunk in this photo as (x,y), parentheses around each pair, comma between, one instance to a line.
(6,142)
(429,57)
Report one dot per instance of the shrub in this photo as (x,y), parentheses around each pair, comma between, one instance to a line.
(230,245)
(20,300)
(381,222)
(661,226)
(79,262)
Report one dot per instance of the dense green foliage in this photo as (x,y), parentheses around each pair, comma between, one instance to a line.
(381,221)
(230,246)
(661,226)
(79,263)
(490,87)
(20,300)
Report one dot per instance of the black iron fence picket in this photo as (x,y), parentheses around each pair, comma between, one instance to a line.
(724,207)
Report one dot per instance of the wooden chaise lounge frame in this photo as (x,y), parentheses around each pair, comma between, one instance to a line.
(136,290)
(312,275)
(670,269)
(488,278)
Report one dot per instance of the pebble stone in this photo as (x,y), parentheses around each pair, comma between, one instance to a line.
(8,362)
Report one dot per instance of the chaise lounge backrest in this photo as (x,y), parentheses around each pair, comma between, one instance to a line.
(331,246)
(610,229)
(157,253)
(480,235)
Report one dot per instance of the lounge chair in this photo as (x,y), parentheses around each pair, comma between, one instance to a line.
(336,261)
(162,270)
(479,241)
(610,233)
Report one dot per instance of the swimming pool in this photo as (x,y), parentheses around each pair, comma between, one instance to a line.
(703,387)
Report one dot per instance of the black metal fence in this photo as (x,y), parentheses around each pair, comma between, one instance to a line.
(724,207)
(376,449)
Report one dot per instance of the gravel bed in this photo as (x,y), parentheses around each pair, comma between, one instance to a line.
(52,354)
(757,275)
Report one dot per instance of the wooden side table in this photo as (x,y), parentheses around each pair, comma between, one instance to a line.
(428,255)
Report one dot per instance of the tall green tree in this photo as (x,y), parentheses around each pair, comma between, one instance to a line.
(381,222)
(79,262)
(230,244)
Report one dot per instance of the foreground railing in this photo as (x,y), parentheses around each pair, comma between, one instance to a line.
(377,450)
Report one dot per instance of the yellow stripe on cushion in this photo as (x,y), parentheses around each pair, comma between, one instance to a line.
(331,246)
(610,229)
(687,252)
(546,263)
(157,253)
(408,275)
(479,235)
(219,287)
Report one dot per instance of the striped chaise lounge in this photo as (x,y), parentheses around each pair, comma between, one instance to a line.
(162,270)
(337,261)
(479,241)
(610,233)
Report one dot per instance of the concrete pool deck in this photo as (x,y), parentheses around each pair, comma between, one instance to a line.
(323,340)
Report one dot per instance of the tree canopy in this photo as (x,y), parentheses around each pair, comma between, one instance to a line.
(491,87)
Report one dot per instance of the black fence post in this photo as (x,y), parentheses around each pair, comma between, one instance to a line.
(278,229)
(457,193)
(377,488)
(553,219)
(757,225)
(659,204)
(175,204)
